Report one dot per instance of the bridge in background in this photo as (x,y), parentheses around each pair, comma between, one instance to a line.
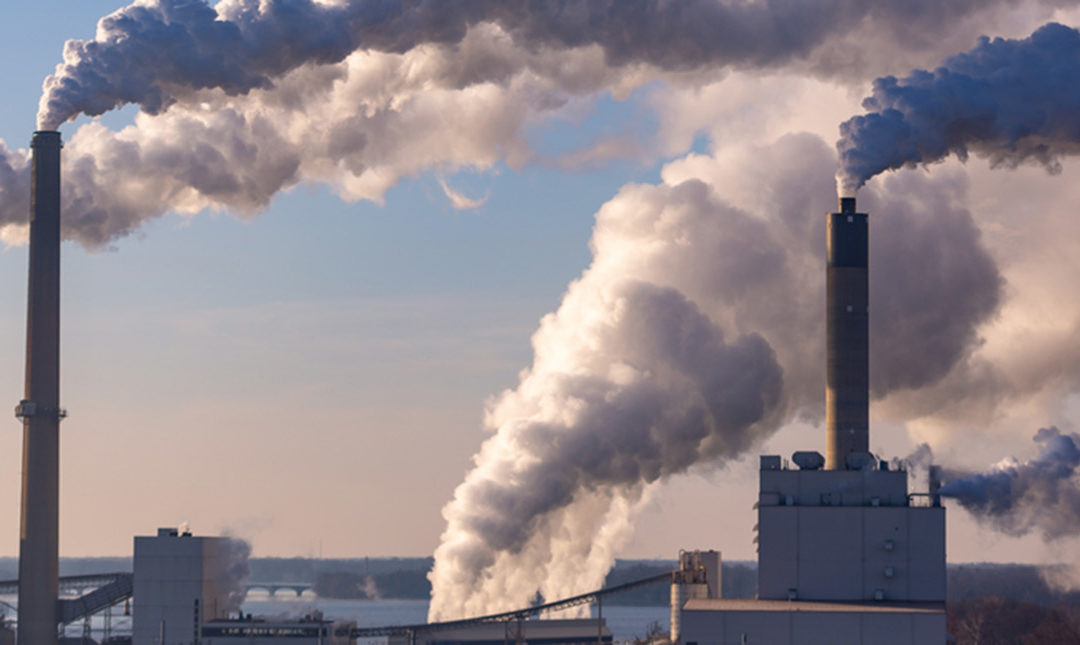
(273,587)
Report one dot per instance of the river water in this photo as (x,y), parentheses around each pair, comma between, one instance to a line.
(625,622)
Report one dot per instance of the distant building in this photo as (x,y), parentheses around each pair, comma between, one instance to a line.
(175,587)
(310,630)
(180,599)
(583,631)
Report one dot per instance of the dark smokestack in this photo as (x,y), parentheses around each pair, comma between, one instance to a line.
(847,395)
(40,409)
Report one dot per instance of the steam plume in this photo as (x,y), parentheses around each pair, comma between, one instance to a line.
(1042,494)
(645,390)
(1012,101)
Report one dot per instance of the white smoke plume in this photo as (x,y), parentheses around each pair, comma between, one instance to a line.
(1017,498)
(631,383)
(246,98)
(157,52)
(1011,101)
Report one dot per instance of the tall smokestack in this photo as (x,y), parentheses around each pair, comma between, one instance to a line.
(40,409)
(847,393)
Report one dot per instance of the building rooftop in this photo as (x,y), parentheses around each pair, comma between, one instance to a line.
(749,604)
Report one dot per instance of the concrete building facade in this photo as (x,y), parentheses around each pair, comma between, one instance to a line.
(176,587)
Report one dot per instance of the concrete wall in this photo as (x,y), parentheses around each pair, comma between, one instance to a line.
(812,628)
(833,488)
(175,588)
(851,553)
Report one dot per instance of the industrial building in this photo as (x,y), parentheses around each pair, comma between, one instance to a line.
(180,591)
(584,631)
(846,553)
(309,630)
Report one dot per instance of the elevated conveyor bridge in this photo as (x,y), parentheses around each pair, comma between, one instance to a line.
(96,592)
(516,615)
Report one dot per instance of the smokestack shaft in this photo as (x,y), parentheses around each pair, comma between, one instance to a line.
(847,391)
(40,410)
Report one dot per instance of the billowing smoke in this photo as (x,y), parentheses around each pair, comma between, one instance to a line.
(1017,498)
(631,384)
(156,52)
(694,334)
(1011,101)
(246,98)
(232,571)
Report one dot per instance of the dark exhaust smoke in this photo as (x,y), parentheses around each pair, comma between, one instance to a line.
(1011,101)
(1017,498)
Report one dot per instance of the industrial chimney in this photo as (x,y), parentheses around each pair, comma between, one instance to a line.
(847,394)
(40,410)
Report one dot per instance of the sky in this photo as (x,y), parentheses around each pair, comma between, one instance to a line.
(316,374)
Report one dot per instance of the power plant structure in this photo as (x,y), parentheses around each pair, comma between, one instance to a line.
(846,554)
(40,409)
(181,590)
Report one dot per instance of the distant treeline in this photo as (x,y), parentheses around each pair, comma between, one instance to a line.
(739,580)
(407,578)
(992,620)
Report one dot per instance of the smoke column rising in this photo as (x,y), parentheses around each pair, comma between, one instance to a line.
(631,384)
(1041,494)
(233,570)
(1011,101)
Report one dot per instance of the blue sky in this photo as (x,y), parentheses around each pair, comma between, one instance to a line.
(398,316)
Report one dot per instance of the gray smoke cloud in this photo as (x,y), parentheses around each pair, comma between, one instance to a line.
(14,186)
(1011,101)
(924,232)
(244,99)
(232,571)
(156,52)
(1017,498)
